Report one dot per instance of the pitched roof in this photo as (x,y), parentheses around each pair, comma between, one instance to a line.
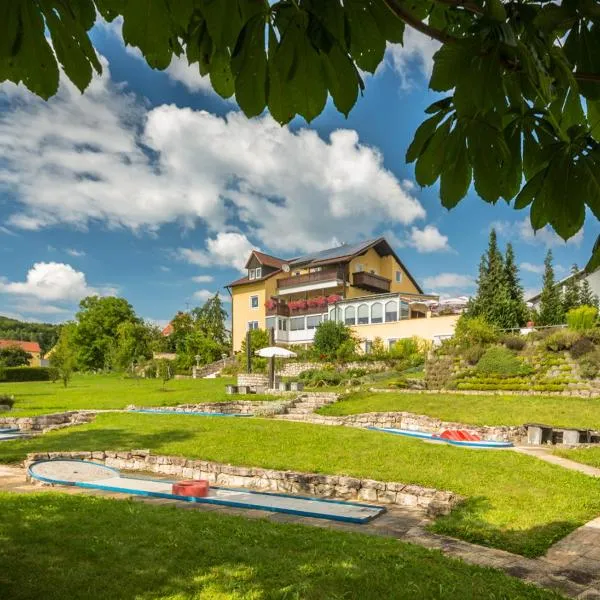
(332,254)
(246,279)
(27,346)
(167,330)
(265,259)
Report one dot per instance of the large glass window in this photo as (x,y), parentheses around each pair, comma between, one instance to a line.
(363,314)
(313,321)
(296,323)
(282,324)
(271,322)
(404,310)
(391,311)
(350,315)
(376,313)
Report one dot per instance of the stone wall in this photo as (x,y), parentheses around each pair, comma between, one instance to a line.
(412,422)
(244,407)
(44,423)
(293,369)
(254,380)
(436,502)
(571,393)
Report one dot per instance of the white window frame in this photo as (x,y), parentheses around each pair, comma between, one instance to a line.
(252,302)
(251,273)
(258,273)
(252,325)
(398,276)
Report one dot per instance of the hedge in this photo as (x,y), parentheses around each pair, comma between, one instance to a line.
(12,374)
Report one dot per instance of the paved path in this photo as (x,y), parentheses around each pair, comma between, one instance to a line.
(571,567)
(543,454)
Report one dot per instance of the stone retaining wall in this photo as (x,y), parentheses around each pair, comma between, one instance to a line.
(48,422)
(254,380)
(436,502)
(244,407)
(293,369)
(568,393)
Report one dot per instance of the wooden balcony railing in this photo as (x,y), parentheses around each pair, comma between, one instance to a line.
(371,282)
(314,277)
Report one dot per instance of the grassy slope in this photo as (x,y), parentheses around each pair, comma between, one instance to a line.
(514,502)
(588,456)
(113,391)
(477,410)
(85,547)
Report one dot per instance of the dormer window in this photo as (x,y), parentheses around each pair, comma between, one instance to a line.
(255,273)
(251,274)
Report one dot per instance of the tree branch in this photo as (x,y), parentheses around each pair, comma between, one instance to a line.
(469,6)
(415,23)
(593,77)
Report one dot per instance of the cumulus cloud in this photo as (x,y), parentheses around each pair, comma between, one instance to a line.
(531,268)
(103,156)
(428,239)
(414,56)
(53,282)
(203,278)
(226,250)
(205,295)
(523,231)
(448,280)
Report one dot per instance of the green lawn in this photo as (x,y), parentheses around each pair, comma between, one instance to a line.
(477,410)
(56,546)
(514,502)
(114,391)
(588,456)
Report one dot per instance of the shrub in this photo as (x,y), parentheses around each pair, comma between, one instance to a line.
(329,337)
(321,377)
(593,335)
(475,330)
(581,347)
(582,318)
(473,354)
(27,374)
(6,400)
(346,350)
(589,364)
(561,340)
(514,342)
(500,361)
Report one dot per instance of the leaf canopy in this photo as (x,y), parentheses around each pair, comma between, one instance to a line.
(520,119)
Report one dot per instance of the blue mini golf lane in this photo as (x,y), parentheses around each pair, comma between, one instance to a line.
(92,475)
(485,444)
(11,434)
(197,413)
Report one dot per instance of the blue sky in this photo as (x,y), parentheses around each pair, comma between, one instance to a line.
(151,187)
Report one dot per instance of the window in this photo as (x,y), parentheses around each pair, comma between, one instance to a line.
(404,310)
(391,344)
(251,273)
(360,267)
(368,346)
(258,272)
(282,324)
(376,313)
(363,314)
(253,301)
(252,325)
(296,323)
(350,315)
(398,276)
(391,311)
(270,323)
(313,321)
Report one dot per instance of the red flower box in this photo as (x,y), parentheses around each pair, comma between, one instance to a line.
(333,299)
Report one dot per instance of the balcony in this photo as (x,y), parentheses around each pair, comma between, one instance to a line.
(324,278)
(371,282)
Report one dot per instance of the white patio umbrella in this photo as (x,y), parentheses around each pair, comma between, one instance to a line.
(273,352)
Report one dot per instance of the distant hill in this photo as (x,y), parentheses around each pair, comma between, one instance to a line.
(45,334)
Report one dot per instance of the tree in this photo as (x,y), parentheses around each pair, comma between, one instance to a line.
(210,320)
(259,338)
(64,354)
(571,293)
(164,371)
(517,311)
(520,118)
(551,310)
(14,356)
(45,334)
(586,296)
(98,321)
(133,343)
(330,338)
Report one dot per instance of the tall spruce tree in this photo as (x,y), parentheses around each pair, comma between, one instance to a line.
(551,309)
(517,311)
(571,297)
(586,296)
(492,299)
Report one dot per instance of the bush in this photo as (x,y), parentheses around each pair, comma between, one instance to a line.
(346,350)
(514,342)
(321,377)
(473,354)
(330,337)
(561,340)
(581,347)
(474,330)
(593,335)
(500,361)
(12,374)
(6,400)
(582,318)
(589,364)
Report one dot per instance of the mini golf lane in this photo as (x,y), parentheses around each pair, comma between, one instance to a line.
(96,476)
(11,434)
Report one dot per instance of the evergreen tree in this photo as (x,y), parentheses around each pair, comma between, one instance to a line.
(551,310)
(586,296)
(572,293)
(517,313)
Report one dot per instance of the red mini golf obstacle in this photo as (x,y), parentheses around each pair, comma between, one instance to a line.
(459,435)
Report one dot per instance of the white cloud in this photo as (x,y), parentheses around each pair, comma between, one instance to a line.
(203,278)
(205,295)
(428,239)
(189,75)
(523,231)
(531,268)
(416,54)
(165,269)
(6,231)
(226,250)
(53,282)
(77,158)
(448,280)
(74,252)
